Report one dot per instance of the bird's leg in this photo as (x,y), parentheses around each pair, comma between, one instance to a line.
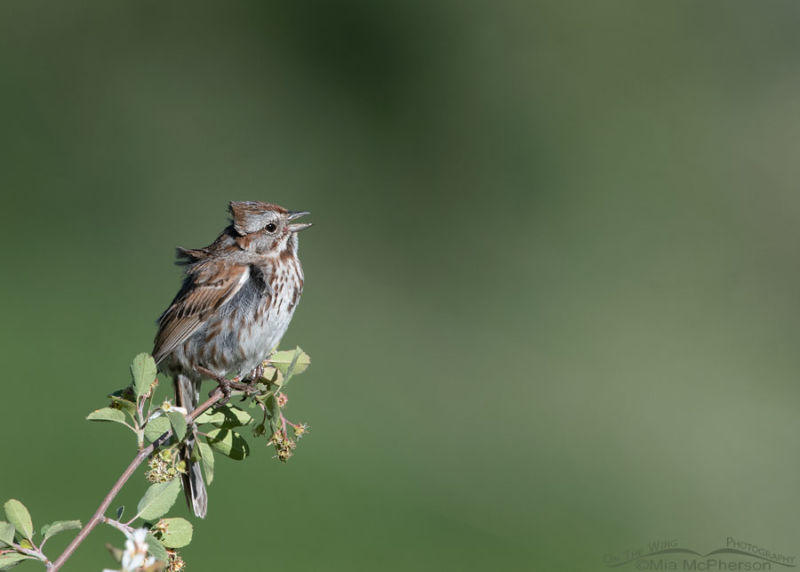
(250,380)
(225,385)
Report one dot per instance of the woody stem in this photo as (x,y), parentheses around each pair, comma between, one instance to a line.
(98,515)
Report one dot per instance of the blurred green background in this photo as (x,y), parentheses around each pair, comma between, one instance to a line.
(551,290)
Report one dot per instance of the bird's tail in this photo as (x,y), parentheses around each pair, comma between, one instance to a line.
(187,395)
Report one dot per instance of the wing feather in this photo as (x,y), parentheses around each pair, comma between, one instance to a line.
(209,285)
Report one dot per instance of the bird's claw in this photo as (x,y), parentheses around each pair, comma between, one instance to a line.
(224,385)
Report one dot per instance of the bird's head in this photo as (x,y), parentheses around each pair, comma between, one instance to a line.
(266,228)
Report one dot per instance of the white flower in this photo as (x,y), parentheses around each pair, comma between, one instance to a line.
(167,407)
(135,556)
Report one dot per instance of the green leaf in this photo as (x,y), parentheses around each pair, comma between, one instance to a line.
(209,416)
(178,422)
(116,553)
(235,417)
(273,408)
(143,371)
(177,532)
(8,561)
(155,548)
(227,416)
(156,427)
(283,361)
(6,533)
(122,400)
(207,460)
(54,528)
(229,443)
(107,414)
(158,499)
(271,375)
(18,515)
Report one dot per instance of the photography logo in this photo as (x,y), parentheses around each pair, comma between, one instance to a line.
(735,555)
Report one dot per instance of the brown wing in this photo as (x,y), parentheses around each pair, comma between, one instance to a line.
(210,285)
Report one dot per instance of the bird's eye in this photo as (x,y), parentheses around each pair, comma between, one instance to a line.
(271,227)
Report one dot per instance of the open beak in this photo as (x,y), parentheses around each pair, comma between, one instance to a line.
(298,226)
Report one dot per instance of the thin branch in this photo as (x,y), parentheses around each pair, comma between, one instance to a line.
(37,553)
(117,524)
(98,515)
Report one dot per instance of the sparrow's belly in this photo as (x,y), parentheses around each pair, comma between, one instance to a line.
(243,332)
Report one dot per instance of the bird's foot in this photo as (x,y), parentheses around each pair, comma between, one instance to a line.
(225,385)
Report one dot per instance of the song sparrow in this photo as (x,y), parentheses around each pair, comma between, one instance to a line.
(235,305)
